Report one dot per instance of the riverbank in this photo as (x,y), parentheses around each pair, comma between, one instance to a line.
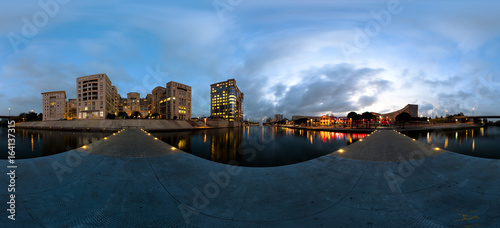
(112,125)
(439,127)
(408,128)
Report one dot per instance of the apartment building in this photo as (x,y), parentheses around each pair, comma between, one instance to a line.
(226,101)
(54,105)
(178,101)
(96,97)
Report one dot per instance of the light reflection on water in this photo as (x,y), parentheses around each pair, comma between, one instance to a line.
(38,143)
(482,142)
(258,146)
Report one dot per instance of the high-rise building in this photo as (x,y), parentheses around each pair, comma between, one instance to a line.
(278,117)
(144,105)
(116,97)
(70,109)
(227,101)
(133,104)
(54,105)
(95,97)
(178,99)
(159,101)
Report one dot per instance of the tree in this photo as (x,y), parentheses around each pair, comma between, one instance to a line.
(72,113)
(368,116)
(300,121)
(122,115)
(352,116)
(403,118)
(135,115)
(155,115)
(110,116)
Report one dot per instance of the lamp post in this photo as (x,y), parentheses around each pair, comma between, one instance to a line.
(9,111)
(472,111)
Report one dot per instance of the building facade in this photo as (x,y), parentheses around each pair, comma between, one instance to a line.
(70,109)
(411,109)
(226,101)
(133,103)
(159,101)
(178,101)
(95,97)
(54,105)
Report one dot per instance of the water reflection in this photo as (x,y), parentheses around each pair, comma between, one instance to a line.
(482,142)
(38,143)
(258,146)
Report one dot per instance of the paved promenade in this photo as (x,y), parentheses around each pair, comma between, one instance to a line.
(131,179)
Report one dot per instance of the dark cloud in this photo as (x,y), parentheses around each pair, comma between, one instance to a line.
(365,101)
(329,89)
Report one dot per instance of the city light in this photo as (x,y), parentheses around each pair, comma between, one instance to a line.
(105,138)
(84,147)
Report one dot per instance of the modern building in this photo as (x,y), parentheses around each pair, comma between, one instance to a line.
(95,97)
(117,97)
(278,117)
(226,101)
(178,101)
(70,109)
(412,109)
(144,106)
(54,105)
(314,118)
(133,104)
(159,101)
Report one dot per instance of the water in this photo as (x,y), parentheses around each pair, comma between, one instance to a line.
(258,146)
(483,142)
(38,143)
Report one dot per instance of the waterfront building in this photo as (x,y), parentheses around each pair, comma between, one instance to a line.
(144,106)
(178,101)
(412,109)
(278,117)
(54,105)
(70,109)
(116,96)
(133,104)
(226,101)
(159,101)
(95,97)
(314,118)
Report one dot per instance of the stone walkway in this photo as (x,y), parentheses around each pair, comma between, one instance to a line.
(131,179)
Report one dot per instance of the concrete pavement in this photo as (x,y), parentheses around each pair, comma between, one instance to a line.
(157,186)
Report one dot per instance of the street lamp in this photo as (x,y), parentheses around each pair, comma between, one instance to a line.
(9,111)
(473,111)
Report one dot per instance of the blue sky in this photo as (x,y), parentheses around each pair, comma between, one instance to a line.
(290,57)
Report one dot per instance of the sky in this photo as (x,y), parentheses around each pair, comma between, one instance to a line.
(289,57)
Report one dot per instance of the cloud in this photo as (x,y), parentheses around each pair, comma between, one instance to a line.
(328,89)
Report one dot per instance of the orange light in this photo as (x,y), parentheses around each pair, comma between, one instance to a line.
(341,151)
(437,148)
(105,138)
(156,138)
(84,147)
(173,148)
